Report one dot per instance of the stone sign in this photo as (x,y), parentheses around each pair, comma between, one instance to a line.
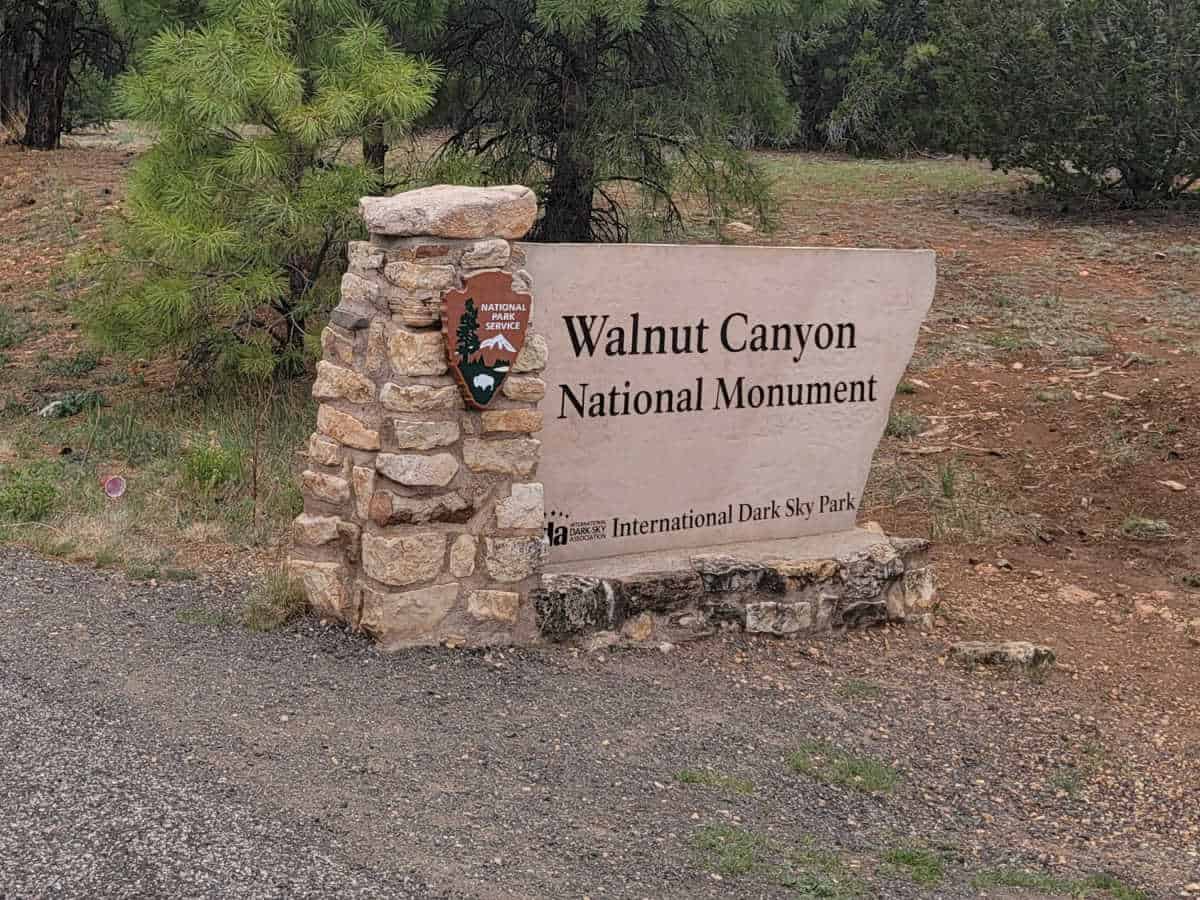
(703,395)
(648,459)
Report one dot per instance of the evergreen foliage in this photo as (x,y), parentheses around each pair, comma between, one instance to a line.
(620,113)
(1096,96)
(236,221)
(467,336)
(866,83)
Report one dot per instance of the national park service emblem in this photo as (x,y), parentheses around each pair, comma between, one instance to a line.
(484,325)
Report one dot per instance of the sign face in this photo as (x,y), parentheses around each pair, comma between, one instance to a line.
(702,395)
(484,325)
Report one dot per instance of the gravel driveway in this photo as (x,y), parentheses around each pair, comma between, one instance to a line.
(150,749)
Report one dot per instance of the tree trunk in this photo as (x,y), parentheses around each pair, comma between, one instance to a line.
(374,148)
(15,59)
(569,197)
(48,82)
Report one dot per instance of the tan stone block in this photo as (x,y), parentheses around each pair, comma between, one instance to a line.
(364,489)
(324,451)
(520,420)
(404,559)
(518,456)
(451,211)
(328,488)
(323,585)
(521,282)
(491,254)
(313,531)
(416,312)
(533,355)
(639,627)
(528,388)
(417,353)
(336,347)
(358,292)
(417,277)
(409,617)
(420,435)
(462,556)
(501,606)
(437,470)
(512,559)
(336,383)
(346,429)
(523,508)
(387,508)
(419,397)
(376,363)
(362,257)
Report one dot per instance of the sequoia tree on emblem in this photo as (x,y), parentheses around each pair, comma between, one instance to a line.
(484,325)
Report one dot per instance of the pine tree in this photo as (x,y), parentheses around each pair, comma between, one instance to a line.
(468,333)
(46,46)
(236,220)
(617,112)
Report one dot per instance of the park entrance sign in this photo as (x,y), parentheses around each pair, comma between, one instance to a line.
(703,395)
(518,443)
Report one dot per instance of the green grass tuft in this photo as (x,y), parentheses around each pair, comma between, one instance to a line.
(904,425)
(1099,885)
(728,850)
(196,615)
(1142,529)
(29,493)
(709,778)
(208,468)
(77,366)
(13,328)
(278,600)
(859,689)
(922,866)
(833,765)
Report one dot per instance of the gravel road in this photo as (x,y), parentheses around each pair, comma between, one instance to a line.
(150,749)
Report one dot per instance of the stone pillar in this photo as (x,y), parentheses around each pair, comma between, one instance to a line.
(422,517)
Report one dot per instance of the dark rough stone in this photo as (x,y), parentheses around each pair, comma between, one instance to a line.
(352,318)
(661,591)
(913,551)
(779,619)
(866,575)
(861,614)
(728,575)
(568,604)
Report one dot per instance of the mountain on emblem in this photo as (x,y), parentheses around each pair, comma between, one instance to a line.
(487,305)
(499,341)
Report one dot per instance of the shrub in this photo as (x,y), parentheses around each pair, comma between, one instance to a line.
(1096,96)
(210,467)
(28,494)
(236,221)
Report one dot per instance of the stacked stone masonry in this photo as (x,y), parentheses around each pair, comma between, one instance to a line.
(423,518)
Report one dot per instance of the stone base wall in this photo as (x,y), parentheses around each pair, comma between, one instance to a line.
(422,518)
(882,580)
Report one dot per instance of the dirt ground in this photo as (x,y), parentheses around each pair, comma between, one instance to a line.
(1045,437)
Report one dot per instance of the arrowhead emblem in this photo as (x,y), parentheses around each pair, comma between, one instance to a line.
(484,326)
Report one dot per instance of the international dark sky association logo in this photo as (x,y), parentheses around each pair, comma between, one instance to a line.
(484,325)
